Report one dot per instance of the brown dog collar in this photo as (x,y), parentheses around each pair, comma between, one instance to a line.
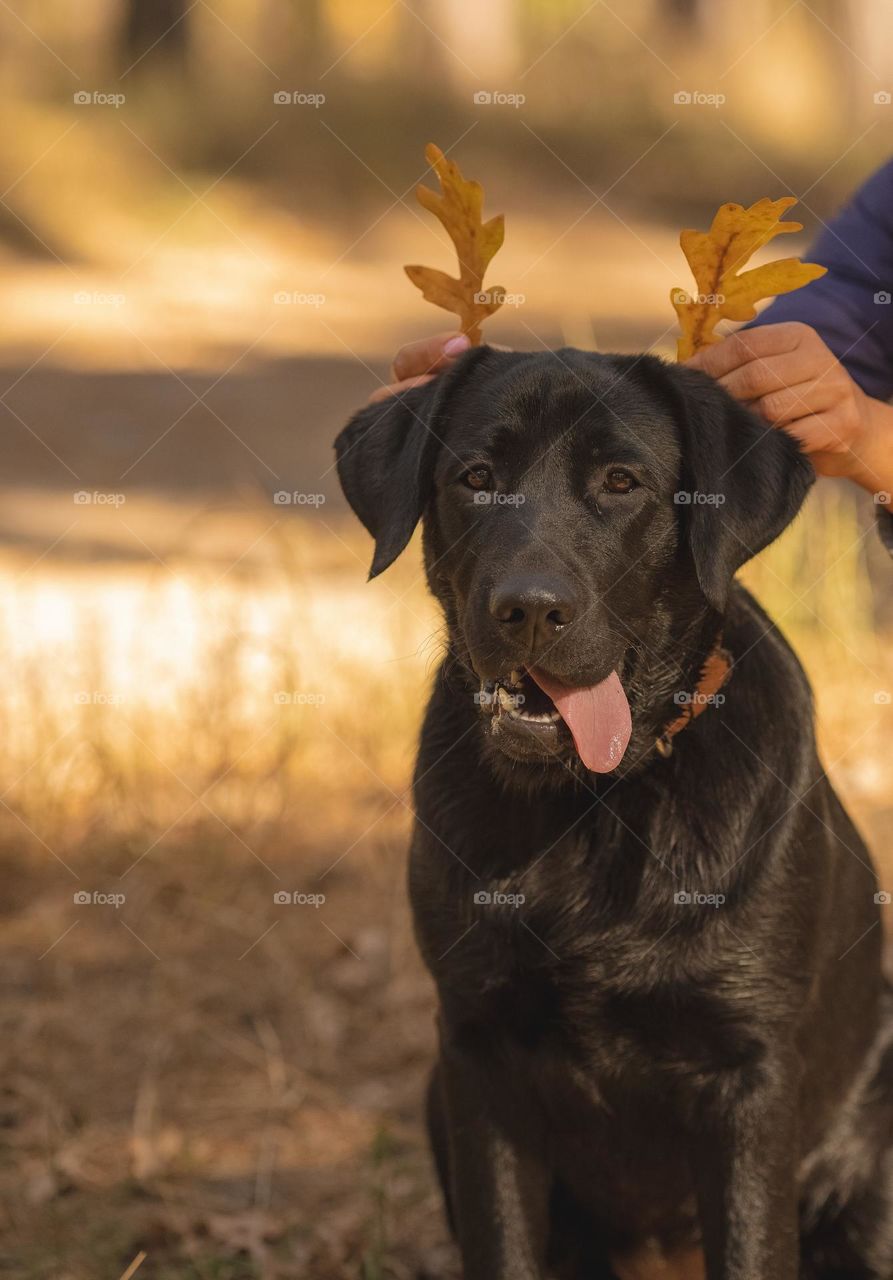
(715,672)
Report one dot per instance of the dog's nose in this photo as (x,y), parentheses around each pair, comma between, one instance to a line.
(533,608)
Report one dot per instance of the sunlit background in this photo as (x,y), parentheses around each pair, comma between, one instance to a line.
(206,207)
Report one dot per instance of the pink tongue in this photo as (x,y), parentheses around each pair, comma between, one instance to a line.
(597,716)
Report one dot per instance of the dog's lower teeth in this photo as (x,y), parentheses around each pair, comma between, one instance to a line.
(544,717)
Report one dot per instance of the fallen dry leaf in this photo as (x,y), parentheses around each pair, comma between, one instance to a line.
(459,208)
(716,258)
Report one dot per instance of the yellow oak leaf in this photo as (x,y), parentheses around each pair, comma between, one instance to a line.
(716,258)
(459,208)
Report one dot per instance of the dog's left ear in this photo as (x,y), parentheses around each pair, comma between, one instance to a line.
(743,481)
(386,456)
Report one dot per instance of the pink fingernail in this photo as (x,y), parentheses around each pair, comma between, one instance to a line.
(455,346)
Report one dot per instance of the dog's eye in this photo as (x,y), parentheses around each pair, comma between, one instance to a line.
(478,478)
(619,481)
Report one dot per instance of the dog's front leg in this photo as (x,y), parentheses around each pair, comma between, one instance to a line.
(747,1181)
(499,1189)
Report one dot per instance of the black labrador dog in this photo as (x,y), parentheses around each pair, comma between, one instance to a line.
(665,1040)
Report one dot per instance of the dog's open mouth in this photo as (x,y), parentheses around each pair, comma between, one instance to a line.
(540,710)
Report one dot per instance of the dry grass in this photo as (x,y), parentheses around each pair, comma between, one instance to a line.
(232,1086)
(229,1084)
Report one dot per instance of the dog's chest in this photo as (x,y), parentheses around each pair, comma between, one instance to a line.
(570,969)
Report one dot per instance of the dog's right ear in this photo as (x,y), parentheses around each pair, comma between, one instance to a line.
(754,478)
(386,455)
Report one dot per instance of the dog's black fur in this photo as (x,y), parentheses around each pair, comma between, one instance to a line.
(616,1065)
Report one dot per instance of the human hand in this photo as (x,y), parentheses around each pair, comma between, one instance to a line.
(419,362)
(787,374)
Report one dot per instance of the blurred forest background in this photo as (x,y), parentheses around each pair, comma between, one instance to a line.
(205,209)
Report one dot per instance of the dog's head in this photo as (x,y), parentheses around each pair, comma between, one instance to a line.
(578,511)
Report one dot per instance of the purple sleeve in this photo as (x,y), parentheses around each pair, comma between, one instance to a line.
(852,306)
